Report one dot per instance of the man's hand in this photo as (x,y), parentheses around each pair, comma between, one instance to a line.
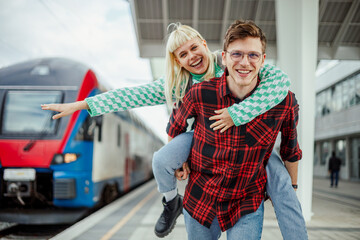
(224,121)
(65,109)
(182,173)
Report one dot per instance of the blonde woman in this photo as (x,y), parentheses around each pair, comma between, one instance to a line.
(188,62)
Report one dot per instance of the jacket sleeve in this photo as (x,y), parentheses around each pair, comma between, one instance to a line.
(126,98)
(289,147)
(272,90)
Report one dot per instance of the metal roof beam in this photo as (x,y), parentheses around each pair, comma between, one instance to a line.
(342,53)
(344,26)
(152,49)
(226,13)
(322,8)
(165,17)
(258,11)
(195,20)
(135,15)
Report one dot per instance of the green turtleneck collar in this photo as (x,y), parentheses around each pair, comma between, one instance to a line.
(199,77)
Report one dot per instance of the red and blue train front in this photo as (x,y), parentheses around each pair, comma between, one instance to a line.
(35,173)
(45,162)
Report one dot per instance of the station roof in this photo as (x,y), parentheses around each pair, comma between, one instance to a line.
(338,32)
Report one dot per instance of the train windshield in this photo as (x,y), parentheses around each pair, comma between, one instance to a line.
(23,114)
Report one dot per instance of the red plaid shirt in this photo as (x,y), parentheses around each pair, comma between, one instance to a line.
(228,174)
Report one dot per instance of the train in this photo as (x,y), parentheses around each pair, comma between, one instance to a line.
(56,171)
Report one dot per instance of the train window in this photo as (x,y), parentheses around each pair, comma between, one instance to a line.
(357,94)
(86,131)
(22,113)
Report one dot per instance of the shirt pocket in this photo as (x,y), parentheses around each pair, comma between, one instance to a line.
(260,132)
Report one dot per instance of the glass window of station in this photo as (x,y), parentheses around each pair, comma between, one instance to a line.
(342,95)
(355,159)
(325,152)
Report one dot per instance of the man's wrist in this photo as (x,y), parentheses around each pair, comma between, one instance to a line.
(295,186)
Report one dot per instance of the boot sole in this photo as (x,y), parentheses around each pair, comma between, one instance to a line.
(164,234)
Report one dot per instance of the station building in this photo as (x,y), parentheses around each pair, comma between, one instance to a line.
(337,119)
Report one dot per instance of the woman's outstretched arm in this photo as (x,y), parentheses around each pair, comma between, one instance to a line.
(65,109)
(114,100)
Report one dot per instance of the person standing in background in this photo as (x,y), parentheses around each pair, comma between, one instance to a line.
(334,168)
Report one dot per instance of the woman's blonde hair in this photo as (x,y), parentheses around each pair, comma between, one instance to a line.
(176,77)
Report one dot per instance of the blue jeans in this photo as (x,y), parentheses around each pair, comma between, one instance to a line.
(286,204)
(248,227)
(334,176)
(169,158)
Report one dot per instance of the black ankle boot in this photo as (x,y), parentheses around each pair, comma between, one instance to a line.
(166,222)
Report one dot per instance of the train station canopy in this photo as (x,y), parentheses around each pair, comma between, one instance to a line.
(338,25)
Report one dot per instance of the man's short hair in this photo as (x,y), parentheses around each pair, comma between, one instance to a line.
(241,29)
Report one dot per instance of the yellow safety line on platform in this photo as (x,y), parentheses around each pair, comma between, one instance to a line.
(123,221)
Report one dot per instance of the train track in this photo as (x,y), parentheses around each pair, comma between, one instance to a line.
(38,232)
(41,232)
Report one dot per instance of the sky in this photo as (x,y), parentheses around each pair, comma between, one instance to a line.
(99,34)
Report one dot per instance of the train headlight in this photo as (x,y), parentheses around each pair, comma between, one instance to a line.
(58,159)
(70,157)
(64,158)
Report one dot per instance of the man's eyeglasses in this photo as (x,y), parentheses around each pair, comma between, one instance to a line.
(237,56)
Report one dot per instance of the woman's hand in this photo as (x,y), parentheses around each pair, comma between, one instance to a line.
(182,173)
(65,109)
(224,121)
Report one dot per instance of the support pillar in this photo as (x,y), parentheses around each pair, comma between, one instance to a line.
(297,45)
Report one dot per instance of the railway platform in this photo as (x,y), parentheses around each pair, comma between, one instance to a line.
(132,217)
